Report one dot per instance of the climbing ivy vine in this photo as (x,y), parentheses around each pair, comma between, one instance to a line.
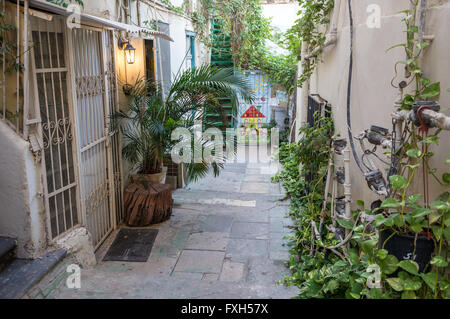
(362,266)
(308,31)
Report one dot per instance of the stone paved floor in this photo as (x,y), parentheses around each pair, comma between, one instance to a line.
(224,240)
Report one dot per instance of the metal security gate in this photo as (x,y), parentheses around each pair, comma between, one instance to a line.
(50,81)
(92,114)
(113,106)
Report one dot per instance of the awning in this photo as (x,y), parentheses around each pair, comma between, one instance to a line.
(133,30)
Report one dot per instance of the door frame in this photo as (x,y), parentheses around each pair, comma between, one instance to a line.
(49,25)
(105,100)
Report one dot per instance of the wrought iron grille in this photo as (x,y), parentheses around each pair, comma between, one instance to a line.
(91,111)
(51,78)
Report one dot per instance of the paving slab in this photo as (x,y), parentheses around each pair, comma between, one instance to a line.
(242,249)
(187,275)
(201,261)
(276,226)
(255,188)
(258,216)
(213,223)
(232,271)
(210,277)
(208,241)
(224,240)
(250,230)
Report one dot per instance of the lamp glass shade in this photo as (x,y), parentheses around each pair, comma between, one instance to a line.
(130,53)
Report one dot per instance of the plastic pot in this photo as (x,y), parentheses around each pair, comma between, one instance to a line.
(402,247)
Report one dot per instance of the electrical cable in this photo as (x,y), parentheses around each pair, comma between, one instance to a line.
(349,90)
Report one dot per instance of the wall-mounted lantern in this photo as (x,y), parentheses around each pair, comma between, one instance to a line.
(129,51)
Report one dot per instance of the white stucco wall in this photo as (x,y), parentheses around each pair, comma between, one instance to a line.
(373,97)
(21,211)
(127,73)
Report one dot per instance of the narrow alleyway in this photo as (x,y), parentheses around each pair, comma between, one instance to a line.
(224,240)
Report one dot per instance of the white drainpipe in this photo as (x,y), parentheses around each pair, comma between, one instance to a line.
(347,186)
(302,109)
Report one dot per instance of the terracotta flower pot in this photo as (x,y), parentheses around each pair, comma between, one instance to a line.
(159,178)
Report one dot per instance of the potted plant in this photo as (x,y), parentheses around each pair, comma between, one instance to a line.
(152,115)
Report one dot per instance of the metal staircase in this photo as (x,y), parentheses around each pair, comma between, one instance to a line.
(221,57)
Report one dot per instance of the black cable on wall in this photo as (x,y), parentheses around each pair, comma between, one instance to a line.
(349,90)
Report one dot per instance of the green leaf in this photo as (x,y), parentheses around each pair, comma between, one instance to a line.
(413,283)
(390,220)
(347,224)
(423,45)
(382,254)
(389,264)
(354,295)
(390,203)
(360,203)
(398,181)
(434,217)
(440,206)
(411,167)
(396,46)
(395,283)
(425,81)
(420,212)
(431,140)
(439,261)
(447,160)
(446,178)
(414,198)
(409,294)
(416,228)
(379,220)
(447,233)
(437,231)
(410,266)
(430,279)
(332,286)
(432,91)
(368,245)
(354,256)
(399,221)
(414,153)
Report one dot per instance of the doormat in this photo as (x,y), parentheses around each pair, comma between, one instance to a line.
(132,245)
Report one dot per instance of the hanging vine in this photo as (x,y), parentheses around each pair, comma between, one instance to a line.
(320,274)
(307,31)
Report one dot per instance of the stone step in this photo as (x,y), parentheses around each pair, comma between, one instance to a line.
(7,251)
(22,274)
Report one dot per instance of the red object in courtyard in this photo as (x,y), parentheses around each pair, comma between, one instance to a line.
(252,112)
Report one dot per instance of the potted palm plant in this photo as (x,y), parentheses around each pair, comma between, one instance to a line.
(153,115)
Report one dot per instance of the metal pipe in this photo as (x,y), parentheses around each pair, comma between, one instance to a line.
(439,120)
(25,71)
(423,18)
(347,186)
(18,70)
(331,37)
(302,109)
